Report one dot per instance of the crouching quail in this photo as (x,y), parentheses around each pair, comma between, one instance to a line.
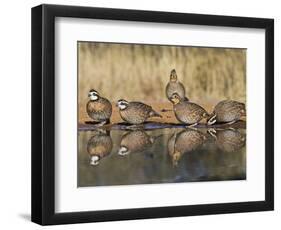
(227,111)
(135,113)
(188,112)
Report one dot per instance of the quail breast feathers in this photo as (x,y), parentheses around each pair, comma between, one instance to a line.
(98,108)
(187,112)
(174,86)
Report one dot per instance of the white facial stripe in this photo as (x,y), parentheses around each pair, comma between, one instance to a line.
(122,106)
(94,97)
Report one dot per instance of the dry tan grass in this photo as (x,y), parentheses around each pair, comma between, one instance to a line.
(141,72)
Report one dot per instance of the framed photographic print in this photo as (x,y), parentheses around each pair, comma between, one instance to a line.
(142,114)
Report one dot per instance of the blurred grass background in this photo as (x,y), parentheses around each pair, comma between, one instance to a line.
(141,72)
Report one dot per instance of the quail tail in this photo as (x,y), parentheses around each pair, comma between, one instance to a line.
(154,114)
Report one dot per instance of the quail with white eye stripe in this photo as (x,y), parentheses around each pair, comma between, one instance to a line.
(135,113)
(98,108)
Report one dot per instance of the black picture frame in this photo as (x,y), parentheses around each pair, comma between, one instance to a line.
(43,113)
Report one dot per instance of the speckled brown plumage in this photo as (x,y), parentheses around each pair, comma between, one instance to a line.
(189,113)
(137,113)
(174,86)
(99,110)
(228,111)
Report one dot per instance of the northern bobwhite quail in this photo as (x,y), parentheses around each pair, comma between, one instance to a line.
(187,112)
(135,113)
(174,86)
(227,111)
(99,146)
(98,108)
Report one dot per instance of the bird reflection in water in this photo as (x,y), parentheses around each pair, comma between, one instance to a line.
(228,140)
(184,142)
(136,141)
(161,156)
(99,146)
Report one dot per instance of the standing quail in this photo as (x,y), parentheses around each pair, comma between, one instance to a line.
(98,108)
(227,111)
(187,112)
(135,113)
(174,86)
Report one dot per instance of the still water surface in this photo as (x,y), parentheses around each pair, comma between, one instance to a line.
(119,157)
